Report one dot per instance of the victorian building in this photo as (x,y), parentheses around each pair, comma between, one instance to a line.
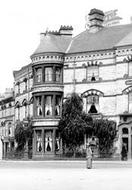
(7,123)
(96,64)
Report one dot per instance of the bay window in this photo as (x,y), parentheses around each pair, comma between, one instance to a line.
(57,105)
(48,104)
(39,105)
(39,140)
(48,74)
(39,75)
(58,74)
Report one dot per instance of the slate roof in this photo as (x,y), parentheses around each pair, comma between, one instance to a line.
(106,38)
(53,43)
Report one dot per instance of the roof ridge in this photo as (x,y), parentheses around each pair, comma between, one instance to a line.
(69,46)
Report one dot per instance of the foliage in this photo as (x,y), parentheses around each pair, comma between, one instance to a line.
(105,131)
(74,123)
(23,133)
(20,135)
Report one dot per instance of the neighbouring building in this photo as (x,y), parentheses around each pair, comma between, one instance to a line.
(97,64)
(7,120)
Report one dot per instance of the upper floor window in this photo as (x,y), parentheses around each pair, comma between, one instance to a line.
(92,73)
(124,130)
(26,85)
(9,129)
(17,88)
(130,101)
(58,74)
(39,105)
(57,105)
(39,75)
(48,74)
(130,69)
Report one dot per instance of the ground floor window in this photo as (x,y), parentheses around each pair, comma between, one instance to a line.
(47,141)
(39,141)
(92,104)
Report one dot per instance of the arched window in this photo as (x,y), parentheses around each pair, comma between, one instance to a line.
(91,100)
(17,106)
(92,109)
(128,91)
(124,130)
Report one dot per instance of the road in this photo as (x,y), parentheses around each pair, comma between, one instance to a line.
(65,175)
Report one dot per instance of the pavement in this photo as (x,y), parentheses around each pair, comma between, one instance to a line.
(65,175)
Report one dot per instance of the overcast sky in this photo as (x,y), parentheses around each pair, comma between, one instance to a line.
(21,22)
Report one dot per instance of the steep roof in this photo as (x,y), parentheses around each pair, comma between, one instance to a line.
(53,43)
(106,38)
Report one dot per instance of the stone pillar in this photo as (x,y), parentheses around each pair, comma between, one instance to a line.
(129,143)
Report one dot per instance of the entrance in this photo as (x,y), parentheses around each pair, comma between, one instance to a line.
(125,131)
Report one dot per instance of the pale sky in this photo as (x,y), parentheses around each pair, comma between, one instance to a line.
(22,21)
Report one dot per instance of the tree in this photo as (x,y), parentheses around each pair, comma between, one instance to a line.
(105,131)
(20,135)
(74,122)
(23,133)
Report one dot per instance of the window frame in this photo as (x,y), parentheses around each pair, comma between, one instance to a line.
(43,96)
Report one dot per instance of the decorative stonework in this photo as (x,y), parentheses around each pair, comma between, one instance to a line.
(51,88)
(92,92)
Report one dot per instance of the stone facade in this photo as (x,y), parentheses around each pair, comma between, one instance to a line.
(97,64)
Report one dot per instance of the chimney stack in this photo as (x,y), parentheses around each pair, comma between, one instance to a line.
(96,18)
